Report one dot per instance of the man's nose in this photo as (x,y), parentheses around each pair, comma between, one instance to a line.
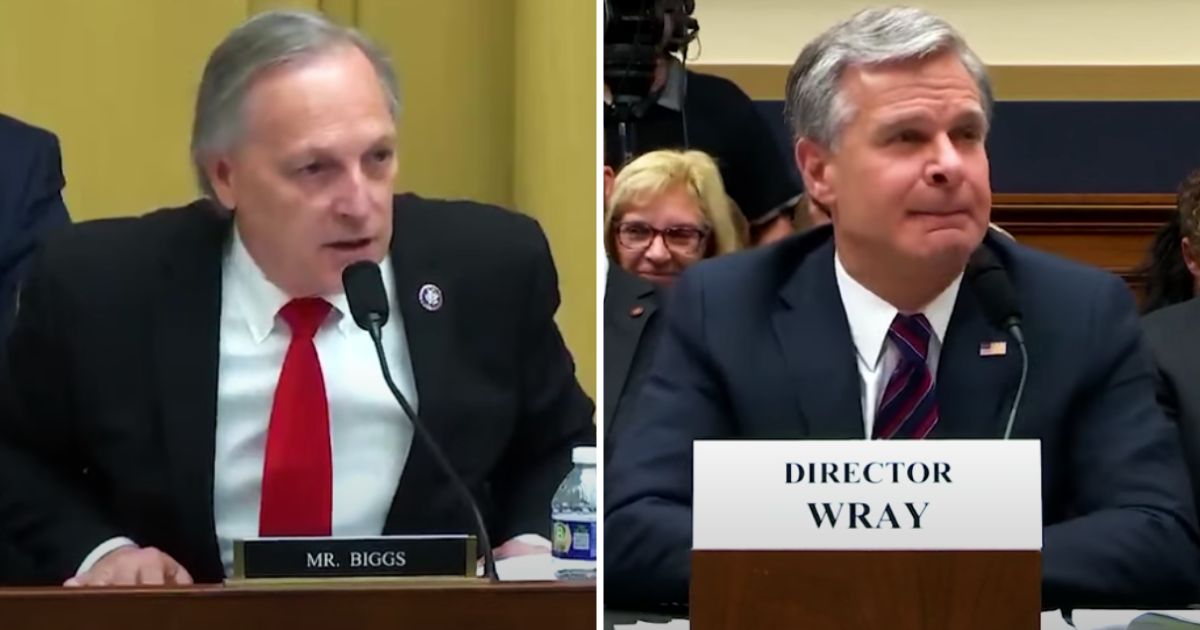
(945,167)
(353,195)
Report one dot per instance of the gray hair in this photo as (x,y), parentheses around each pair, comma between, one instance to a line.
(815,106)
(266,41)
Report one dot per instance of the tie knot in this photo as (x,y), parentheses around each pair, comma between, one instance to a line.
(304,316)
(911,334)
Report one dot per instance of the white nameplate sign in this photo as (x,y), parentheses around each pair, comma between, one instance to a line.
(867,495)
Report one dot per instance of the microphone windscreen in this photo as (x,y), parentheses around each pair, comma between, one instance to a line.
(993,287)
(364,291)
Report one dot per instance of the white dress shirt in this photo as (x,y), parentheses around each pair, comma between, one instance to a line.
(870,317)
(369,435)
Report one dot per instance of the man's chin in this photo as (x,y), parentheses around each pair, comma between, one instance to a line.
(951,243)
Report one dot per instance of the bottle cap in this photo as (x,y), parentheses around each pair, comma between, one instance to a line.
(583,455)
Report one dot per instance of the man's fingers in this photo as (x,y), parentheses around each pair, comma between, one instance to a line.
(152,571)
(125,572)
(95,577)
(176,574)
(133,567)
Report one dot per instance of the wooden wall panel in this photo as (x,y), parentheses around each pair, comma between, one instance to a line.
(1112,232)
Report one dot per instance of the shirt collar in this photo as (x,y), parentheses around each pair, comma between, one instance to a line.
(257,300)
(672,94)
(870,316)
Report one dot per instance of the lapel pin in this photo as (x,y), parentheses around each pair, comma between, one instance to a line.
(993,348)
(636,311)
(430,297)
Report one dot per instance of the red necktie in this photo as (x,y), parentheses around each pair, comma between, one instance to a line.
(909,406)
(297,485)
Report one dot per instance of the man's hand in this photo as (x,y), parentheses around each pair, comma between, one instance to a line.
(133,566)
(518,547)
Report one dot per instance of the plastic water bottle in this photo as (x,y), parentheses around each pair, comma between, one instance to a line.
(573,512)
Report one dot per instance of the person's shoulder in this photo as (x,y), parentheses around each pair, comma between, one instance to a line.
(714,87)
(1168,320)
(485,231)
(14,132)
(132,241)
(1054,288)
(759,272)
(1033,267)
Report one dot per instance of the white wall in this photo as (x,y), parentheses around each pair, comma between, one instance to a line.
(1008,32)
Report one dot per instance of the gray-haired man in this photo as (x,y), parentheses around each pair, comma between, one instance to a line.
(867,330)
(185,379)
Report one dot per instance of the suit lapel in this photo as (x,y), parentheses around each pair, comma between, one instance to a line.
(974,391)
(186,334)
(429,334)
(628,304)
(815,337)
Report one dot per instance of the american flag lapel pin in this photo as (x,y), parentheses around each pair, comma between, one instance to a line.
(993,348)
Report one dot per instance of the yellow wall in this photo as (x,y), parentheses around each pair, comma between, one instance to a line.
(455,60)
(1012,32)
(116,80)
(556,108)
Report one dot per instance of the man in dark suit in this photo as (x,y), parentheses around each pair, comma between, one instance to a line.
(631,331)
(867,329)
(31,205)
(193,377)
(1175,347)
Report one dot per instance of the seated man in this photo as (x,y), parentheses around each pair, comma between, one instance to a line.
(1173,271)
(890,110)
(31,205)
(192,377)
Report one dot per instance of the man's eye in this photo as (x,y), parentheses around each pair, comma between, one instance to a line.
(971,135)
(908,136)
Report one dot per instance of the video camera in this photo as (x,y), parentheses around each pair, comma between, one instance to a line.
(636,34)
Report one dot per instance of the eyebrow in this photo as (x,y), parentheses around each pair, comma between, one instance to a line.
(971,116)
(319,150)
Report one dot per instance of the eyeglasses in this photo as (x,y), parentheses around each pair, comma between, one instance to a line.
(680,239)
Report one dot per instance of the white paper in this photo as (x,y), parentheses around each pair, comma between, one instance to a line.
(1050,620)
(1122,619)
(907,494)
(532,567)
(674,624)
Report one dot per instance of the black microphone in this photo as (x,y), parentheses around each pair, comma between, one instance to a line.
(996,294)
(369,307)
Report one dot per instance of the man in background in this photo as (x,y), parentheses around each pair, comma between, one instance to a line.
(671,107)
(31,205)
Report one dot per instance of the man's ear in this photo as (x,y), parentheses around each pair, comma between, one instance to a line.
(221,177)
(1189,258)
(815,163)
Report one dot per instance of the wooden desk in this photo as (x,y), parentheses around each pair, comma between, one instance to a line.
(329,606)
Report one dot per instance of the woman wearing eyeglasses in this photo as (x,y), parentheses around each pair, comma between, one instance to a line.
(666,211)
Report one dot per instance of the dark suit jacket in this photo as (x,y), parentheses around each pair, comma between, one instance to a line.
(31,181)
(631,330)
(757,346)
(113,378)
(1174,339)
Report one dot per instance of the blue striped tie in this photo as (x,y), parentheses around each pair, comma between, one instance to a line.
(908,408)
